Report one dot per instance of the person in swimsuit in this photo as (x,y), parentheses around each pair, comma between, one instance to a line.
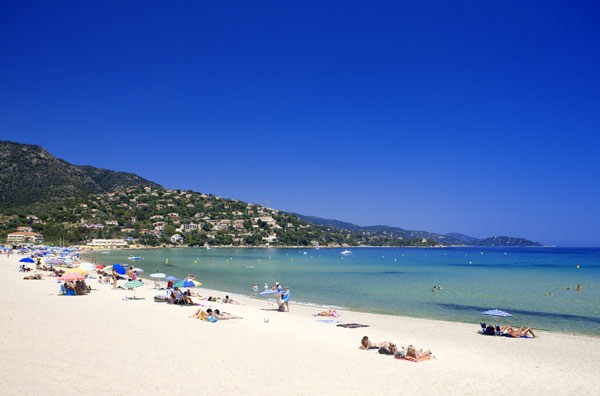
(516,333)
(412,352)
(365,343)
(330,312)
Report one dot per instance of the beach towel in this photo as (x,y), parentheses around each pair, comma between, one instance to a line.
(352,325)
(412,359)
(328,321)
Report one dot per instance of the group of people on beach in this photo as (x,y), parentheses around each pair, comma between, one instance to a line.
(389,348)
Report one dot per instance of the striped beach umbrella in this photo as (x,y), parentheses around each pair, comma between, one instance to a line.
(133,284)
(496,313)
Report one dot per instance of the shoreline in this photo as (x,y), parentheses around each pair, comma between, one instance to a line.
(387,311)
(48,337)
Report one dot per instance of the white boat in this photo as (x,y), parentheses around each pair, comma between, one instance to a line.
(346,252)
(134,258)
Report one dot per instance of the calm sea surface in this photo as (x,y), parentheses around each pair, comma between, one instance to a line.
(536,285)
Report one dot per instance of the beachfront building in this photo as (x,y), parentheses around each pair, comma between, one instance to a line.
(24,237)
(176,238)
(108,243)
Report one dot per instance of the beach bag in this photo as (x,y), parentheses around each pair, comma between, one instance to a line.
(384,351)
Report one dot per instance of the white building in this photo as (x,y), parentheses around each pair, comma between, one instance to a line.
(24,237)
(108,243)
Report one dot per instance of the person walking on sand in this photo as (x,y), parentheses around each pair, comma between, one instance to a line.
(285,298)
(115,276)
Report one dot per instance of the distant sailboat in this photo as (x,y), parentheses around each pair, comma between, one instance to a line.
(346,252)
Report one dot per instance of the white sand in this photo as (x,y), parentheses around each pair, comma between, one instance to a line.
(103,344)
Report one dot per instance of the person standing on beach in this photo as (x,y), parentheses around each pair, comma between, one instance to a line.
(115,276)
(285,298)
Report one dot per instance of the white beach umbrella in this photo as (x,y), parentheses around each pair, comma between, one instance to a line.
(157,275)
(87,266)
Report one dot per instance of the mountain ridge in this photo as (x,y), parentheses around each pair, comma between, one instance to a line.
(73,196)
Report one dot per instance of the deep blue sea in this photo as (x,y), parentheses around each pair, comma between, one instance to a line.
(536,285)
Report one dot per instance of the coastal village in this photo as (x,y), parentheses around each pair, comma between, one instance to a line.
(146,216)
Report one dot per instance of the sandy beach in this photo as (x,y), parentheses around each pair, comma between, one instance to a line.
(103,343)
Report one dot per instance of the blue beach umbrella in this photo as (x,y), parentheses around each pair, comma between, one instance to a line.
(497,313)
(26,260)
(119,269)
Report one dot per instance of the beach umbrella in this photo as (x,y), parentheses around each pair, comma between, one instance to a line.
(77,270)
(134,284)
(72,276)
(187,283)
(107,268)
(119,269)
(136,269)
(87,266)
(496,313)
(157,275)
(26,260)
(54,261)
(268,292)
(100,267)
(171,278)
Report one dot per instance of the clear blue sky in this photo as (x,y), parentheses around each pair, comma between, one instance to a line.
(478,117)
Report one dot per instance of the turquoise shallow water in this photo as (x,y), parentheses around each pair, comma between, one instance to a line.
(399,281)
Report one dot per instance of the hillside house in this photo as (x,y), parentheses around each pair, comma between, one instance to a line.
(176,238)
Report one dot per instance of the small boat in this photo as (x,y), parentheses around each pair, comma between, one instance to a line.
(346,252)
(134,258)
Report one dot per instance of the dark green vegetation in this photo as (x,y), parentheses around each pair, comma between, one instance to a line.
(29,174)
(75,204)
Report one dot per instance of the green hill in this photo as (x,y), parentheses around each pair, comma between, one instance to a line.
(76,204)
(30,174)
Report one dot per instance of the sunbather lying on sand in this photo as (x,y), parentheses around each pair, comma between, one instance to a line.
(33,277)
(329,312)
(412,352)
(365,343)
(225,315)
(516,333)
(201,314)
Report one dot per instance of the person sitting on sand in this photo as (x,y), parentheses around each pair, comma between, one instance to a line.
(516,333)
(365,343)
(329,312)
